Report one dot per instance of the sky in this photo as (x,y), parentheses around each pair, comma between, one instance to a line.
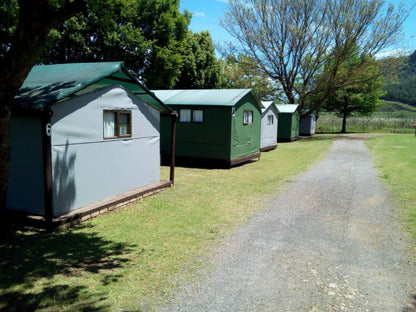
(207,15)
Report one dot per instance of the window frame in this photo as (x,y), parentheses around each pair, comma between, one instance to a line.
(269,123)
(117,113)
(250,114)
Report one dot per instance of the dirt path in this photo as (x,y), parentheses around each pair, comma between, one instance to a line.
(328,242)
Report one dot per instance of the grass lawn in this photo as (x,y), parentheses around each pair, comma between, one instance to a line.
(395,158)
(126,260)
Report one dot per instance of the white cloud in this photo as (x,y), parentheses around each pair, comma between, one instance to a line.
(198,14)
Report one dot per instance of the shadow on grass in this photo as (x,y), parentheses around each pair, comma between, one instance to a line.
(28,256)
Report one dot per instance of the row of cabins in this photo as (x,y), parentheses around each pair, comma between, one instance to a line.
(86,138)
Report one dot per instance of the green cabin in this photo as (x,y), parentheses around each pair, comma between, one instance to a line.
(289,122)
(220,125)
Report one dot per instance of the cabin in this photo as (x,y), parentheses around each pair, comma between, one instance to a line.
(289,122)
(269,122)
(307,124)
(220,127)
(82,134)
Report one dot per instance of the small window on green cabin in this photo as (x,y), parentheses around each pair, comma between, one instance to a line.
(117,124)
(270,119)
(248,117)
(197,115)
(185,115)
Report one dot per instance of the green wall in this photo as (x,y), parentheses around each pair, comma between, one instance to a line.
(246,138)
(209,139)
(221,136)
(288,126)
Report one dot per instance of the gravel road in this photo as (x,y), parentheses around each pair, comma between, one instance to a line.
(329,241)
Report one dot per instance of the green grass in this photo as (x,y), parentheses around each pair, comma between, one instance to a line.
(127,260)
(395,158)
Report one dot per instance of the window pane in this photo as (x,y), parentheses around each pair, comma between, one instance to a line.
(198,115)
(248,117)
(124,124)
(109,124)
(185,115)
(270,119)
(124,118)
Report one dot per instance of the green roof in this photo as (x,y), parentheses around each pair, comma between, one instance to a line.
(287,108)
(47,84)
(208,97)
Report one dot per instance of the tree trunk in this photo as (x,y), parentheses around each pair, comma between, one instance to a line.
(344,116)
(344,123)
(36,19)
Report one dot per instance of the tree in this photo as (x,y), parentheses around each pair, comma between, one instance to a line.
(291,40)
(201,69)
(242,72)
(361,89)
(149,36)
(24,28)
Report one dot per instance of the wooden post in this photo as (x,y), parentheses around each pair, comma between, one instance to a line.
(47,168)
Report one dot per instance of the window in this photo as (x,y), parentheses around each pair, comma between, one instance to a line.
(248,117)
(185,115)
(270,119)
(197,115)
(117,124)
(191,115)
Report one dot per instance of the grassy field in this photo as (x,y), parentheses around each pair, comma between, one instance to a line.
(390,117)
(126,260)
(395,158)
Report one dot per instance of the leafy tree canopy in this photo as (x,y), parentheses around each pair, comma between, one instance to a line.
(148,35)
(361,89)
(201,69)
(242,72)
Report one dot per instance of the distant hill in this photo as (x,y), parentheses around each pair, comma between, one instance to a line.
(402,87)
(391,109)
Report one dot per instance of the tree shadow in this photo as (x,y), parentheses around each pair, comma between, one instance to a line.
(36,96)
(30,255)
(64,181)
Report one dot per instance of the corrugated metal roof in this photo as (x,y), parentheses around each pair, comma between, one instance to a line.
(287,108)
(47,84)
(209,97)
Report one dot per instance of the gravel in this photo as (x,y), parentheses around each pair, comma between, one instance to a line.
(329,241)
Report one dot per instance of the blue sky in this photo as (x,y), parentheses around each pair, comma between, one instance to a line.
(207,14)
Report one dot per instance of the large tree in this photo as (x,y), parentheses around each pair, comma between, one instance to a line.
(291,40)
(201,68)
(361,89)
(24,26)
(242,72)
(149,36)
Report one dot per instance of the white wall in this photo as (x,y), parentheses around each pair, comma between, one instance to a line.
(86,168)
(268,132)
